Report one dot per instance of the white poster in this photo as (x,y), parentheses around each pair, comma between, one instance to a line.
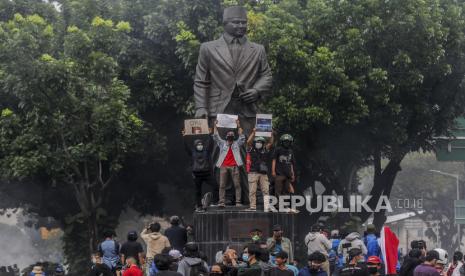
(264,125)
(196,127)
(226,120)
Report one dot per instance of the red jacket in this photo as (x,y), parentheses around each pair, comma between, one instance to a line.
(134,270)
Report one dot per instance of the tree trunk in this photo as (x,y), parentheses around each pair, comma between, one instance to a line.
(383,181)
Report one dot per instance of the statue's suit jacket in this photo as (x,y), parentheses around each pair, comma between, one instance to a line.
(216,76)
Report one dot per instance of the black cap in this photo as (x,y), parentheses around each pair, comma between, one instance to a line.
(277,227)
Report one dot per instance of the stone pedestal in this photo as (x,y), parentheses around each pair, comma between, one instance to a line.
(217,228)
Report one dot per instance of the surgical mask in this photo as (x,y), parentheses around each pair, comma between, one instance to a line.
(94,260)
(255,237)
(199,147)
(258,145)
(372,269)
(245,257)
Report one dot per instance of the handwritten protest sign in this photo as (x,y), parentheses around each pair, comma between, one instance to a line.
(196,126)
(264,125)
(226,120)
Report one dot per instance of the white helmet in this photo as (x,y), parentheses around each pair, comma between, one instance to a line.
(442,256)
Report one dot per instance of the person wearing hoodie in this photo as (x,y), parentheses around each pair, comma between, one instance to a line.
(314,267)
(202,168)
(155,242)
(318,242)
(352,240)
(192,261)
(371,242)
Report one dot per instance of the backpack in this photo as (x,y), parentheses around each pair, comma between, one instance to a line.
(198,270)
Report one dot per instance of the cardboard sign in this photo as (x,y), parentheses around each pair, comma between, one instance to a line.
(196,126)
(264,125)
(226,120)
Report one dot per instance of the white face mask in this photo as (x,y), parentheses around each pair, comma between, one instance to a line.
(258,145)
(199,147)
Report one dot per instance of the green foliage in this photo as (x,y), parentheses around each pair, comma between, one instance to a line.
(94,89)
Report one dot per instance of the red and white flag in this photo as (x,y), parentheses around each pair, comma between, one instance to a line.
(389,244)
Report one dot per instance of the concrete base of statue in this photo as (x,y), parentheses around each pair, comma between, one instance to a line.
(216,227)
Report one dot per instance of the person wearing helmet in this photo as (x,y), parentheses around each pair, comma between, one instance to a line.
(374,265)
(427,268)
(442,261)
(258,157)
(132,249)
(282,168)
(202,168)
(229,162)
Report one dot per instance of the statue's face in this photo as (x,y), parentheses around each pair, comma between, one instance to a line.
(236,27)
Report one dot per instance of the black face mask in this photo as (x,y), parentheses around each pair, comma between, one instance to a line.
(215,274)
(313,269)
(286,144)
(230,138)
(372,269)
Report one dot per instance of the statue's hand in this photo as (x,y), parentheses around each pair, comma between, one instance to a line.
(250,96)
(201,113)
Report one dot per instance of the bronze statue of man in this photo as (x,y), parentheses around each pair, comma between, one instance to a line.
(232,73)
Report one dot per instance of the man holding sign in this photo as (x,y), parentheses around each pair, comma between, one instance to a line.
(229,161)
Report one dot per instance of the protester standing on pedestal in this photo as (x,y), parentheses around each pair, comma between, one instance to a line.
(258,151)
(282,168)
(202,168)
(229,162)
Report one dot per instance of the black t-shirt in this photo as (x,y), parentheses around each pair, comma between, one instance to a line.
(278,272)
(259,160)
(358,270)
(284,160)
(131,249)
(101,270)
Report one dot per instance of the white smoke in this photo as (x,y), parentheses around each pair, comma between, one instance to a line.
(22,243)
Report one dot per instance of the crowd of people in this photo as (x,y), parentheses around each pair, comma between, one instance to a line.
(335,252)
(234,155)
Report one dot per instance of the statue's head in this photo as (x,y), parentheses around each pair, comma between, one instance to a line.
(235,21)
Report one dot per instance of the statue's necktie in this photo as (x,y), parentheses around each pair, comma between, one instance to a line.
(235,51)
